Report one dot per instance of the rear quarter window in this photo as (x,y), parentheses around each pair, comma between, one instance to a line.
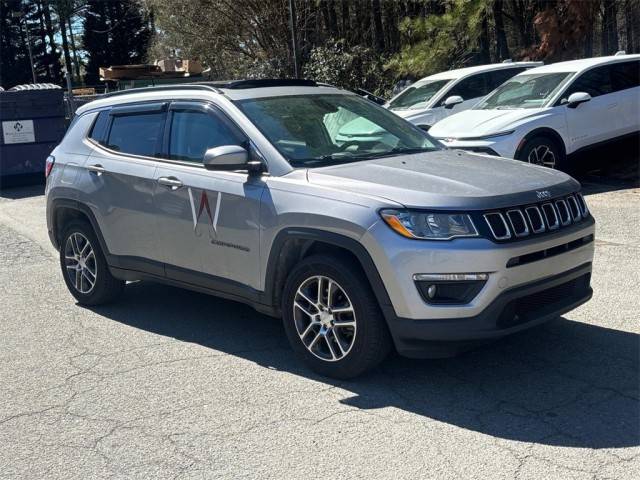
(99,128)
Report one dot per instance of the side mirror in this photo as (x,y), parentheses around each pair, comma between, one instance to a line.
(452,101)
(577,98)
(230,158)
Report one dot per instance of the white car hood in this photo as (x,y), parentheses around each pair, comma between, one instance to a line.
(477,123)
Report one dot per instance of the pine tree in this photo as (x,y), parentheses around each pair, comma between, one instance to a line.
(115,33)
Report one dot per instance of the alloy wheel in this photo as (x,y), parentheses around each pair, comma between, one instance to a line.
(324,318)
(542,155)
(80,262)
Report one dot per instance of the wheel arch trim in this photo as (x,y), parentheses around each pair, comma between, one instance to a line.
(311,235)
(541,132)
(60,203)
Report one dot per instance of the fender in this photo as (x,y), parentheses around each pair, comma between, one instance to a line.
(313,235)
(541,131)
(59,203)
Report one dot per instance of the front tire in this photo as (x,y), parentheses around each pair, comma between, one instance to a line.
(544,151)
(84,267)
(332,318)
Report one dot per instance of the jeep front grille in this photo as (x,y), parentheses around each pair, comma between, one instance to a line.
(521,222)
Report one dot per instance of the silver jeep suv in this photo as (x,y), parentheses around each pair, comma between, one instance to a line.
(315,205)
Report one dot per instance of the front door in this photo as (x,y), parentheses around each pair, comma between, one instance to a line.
(208,222)
(596,120)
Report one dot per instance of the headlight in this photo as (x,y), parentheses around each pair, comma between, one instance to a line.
(488,136)
(429,225)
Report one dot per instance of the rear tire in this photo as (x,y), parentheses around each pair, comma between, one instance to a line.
(84,267)
(332,318)
(545,151)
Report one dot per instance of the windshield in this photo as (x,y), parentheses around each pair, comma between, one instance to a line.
(417,96)
(317,130)
(525,91)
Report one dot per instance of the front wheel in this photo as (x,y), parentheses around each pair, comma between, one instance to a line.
(543,151)
(332,318)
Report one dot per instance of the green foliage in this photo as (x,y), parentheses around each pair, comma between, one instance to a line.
(347,66)
(440,42)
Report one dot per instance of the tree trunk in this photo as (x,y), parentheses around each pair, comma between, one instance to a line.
(377,25)
(76,63)
(49,26)
(502,48)
(609,27)
(484,54)
(364,22)
(346,20)
(47,58)
(65,43)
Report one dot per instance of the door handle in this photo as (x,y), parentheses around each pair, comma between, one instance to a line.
(97,169)
(172,182)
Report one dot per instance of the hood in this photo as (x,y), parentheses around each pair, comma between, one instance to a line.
(476,123)
(446,179)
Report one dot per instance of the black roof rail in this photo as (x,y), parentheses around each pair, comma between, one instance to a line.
(262,83)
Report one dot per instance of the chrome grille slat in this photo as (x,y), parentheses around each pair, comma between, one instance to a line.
(563,212)
(546,208)
(519,222)
(583,205)
(498,215)
(574,209)
(536,211)
(524,231)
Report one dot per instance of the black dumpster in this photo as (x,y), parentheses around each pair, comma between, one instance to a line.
(32,123)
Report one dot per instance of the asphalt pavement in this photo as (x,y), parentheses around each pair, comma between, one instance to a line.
(174,384)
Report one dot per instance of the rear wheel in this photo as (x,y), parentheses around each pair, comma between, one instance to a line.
(544,151)
(332,318)
(84,267)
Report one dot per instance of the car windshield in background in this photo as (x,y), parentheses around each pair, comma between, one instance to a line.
(417,96)
(525,91)
(317,130)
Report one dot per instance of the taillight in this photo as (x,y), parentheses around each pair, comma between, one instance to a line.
(51,160)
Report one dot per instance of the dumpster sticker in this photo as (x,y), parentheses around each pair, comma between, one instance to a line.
(18,131)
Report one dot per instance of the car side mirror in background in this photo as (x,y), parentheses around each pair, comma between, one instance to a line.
(452,101)
(577,98)
(230,158)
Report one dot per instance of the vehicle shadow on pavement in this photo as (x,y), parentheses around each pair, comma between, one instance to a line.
(565,383)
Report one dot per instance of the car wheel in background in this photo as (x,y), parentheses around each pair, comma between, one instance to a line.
(332,318)
(544,151)
(84,267)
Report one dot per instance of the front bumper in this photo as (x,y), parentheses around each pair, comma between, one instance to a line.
(514,269)
(516,309)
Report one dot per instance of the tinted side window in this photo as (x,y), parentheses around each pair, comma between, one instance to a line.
(137,133)
(194,132)
(472,87)
(625,75)
(498,77)
(595,82)
(99,129)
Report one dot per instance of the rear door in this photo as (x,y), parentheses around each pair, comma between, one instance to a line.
(596,120)
(208,222)
(118,182)
(625,79)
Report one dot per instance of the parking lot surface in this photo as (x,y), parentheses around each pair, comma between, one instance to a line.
(174,384)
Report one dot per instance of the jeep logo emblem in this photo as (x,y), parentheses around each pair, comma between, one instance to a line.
(543,194)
